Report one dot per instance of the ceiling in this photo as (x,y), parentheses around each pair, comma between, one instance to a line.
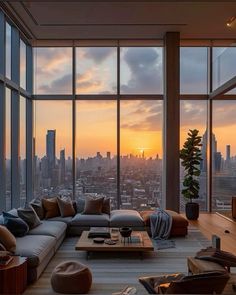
(85,19)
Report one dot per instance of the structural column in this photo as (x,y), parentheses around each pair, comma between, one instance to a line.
(171,181)
(2,116)
(29,125)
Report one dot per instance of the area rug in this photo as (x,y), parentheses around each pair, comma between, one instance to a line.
(163,244)
(115,271)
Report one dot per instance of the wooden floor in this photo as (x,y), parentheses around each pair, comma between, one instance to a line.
(214,224)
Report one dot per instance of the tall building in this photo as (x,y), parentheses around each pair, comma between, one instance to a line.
(204,151)
(51,148)
(109,155)
(228,152)
(62,171)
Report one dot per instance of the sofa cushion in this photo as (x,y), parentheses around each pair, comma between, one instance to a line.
(7,239)
(66,220)
(17,226)
(49,228)
(29,216)
(90,220)
(35,248)
(51,207)
(66,206)
(121,218)
(93,205)
(38,207)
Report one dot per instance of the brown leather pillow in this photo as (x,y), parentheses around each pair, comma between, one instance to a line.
(66,207)
(93,206)
(7,239)
(51,207)
(106,207)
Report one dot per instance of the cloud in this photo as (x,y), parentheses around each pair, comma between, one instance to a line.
(193,70)
(224,113)
(145,116)
(62,85)
(98,54)
(193,113)
(145,67)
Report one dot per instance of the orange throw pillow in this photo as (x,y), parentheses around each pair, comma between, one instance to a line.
(7,239)
(51,207)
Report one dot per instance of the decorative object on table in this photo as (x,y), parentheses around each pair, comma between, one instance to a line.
(99,232)
(126,232)
(71,277)
(115,234)
(110,242)
(99,240)
(191,158)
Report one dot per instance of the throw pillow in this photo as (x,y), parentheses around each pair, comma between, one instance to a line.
(66,207)
(17,226)
(37,205)
(93,206)
(106,206)
(51,207)
(7,239)
(29,216)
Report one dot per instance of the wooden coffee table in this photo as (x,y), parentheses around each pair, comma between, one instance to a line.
(87,244)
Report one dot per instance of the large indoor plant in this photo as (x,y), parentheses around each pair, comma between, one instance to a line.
(191,158)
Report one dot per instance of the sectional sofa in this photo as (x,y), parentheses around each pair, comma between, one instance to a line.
(42,242)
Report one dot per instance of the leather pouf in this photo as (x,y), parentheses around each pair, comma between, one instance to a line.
(71,277)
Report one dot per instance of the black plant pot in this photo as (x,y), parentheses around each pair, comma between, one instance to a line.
(192,211)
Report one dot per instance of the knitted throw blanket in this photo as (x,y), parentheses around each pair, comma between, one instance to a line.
(161,223)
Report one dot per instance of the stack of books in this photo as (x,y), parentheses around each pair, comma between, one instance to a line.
(99,232)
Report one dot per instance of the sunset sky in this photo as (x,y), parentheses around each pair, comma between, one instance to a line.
(141,121)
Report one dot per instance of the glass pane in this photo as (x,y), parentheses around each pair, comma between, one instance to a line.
(53,70)
(22,64)
(223,155)
(141,70)
(8,149)
(8,51)
(193,70)
(96,149)
(96,70)
(22,150)
(141,154)
(224,65)
(53,148)
(193,115)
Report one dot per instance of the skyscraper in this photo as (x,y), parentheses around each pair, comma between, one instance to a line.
(62,170)
(51,148)
(227,152)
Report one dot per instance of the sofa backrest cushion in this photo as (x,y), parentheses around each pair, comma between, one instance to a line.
(106,206)
(7,239)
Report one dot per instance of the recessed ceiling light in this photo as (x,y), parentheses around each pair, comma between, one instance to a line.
(231,21)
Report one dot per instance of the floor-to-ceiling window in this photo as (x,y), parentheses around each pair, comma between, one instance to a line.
(15,91)
(193,109)
(116,120)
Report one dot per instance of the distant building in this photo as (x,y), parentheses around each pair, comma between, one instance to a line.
(227,152)
(51,148)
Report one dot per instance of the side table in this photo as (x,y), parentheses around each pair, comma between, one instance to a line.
(13,277)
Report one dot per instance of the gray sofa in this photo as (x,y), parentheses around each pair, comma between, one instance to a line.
(42,242)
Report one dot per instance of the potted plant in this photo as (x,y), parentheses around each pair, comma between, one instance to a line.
(191,158)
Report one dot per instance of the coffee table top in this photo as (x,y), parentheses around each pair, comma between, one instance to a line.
(86,244)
